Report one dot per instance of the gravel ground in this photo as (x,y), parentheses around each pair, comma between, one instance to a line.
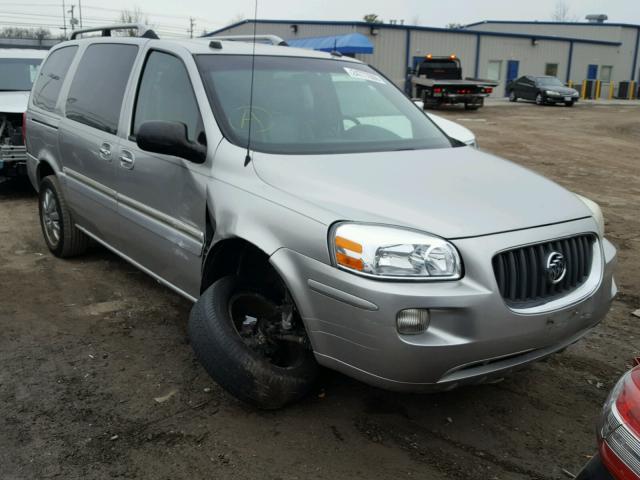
(98,380)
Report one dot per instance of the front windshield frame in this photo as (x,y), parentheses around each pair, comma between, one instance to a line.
(439,140)
(6,63)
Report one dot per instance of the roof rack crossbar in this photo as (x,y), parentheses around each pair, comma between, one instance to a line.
(141,30)
(272,39)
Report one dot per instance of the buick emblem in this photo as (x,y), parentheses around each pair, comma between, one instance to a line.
(556,267)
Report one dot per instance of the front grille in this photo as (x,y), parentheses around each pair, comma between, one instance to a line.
(523,277)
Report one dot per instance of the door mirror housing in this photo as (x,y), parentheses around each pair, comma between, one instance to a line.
(169,138)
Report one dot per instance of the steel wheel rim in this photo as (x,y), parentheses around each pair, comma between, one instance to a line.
(512,96)
(254,333)
(51,217)
(539,99)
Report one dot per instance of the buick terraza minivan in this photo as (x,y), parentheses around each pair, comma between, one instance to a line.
(347,230)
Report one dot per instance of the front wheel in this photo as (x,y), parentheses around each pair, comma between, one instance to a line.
(539,99)
(512,96)
(255,347)
(569,104)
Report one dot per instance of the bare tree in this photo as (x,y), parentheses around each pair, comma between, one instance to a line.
(562,12)
(25,33)
(372,18)
(455,25)
(132,16)
(237,18)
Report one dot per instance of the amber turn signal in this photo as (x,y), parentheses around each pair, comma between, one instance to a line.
(347,261)
(347,244)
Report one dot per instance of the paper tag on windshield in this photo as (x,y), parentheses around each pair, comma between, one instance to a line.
(360,75)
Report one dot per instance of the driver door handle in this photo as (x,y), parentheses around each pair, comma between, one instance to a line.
(127,159)
(105,151)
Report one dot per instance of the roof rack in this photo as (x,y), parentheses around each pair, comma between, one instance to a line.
(141,30)
(272,39)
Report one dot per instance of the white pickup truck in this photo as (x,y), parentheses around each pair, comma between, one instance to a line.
(18,70)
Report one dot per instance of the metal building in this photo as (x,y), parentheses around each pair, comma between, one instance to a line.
(605,64)
(498,51)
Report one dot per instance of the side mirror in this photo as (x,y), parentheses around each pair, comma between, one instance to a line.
(169,138)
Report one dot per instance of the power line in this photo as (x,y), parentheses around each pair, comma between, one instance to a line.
(115,10)
(91,21)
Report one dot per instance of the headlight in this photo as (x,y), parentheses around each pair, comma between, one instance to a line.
(551,92)
(393,252)
(595,211)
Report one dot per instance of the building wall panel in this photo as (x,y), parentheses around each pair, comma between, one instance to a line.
(592,32)
(532,58)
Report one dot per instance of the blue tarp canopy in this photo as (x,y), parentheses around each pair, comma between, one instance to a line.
(350,43)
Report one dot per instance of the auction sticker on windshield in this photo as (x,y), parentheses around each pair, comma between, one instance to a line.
(360,75)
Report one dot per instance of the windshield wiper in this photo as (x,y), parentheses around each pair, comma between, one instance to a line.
(13,90)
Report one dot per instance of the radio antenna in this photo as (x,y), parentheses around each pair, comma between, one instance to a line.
(247,158)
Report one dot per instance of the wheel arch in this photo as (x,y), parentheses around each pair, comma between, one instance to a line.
(233,256)
(44,169)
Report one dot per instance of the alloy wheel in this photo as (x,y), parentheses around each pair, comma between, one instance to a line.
(51,218)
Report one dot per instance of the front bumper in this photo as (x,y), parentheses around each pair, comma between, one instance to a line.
(560,98)
(472,336)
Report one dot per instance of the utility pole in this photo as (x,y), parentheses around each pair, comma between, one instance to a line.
(64,19)
(73,21)
(80,12)
(192,24)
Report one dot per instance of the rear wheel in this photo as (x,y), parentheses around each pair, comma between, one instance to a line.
(252,344)
(512,96)
(60,233)
(539,99)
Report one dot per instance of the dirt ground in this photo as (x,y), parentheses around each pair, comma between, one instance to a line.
(97,379)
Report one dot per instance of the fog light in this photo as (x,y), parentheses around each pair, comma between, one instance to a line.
(412,321)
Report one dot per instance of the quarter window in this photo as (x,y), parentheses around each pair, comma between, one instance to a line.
(51,78)
(96,94)
(166,94)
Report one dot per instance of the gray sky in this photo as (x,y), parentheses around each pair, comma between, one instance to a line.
(170,17)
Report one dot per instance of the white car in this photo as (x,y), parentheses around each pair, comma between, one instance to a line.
(18,70)
(453,129)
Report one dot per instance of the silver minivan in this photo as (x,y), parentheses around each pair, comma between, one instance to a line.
(312,213)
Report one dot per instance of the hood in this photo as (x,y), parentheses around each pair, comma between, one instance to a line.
(13,102)
(452,192)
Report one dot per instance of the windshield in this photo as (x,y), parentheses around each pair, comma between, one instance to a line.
(18,74)
(549,82)
(306,106)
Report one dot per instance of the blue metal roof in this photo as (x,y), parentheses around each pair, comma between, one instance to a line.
(349,43)
(461,31)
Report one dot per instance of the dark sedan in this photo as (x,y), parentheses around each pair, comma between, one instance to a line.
(618,456)
(541,90)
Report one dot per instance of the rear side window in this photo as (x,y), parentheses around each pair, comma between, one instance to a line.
(166,94)
(51,78)
(96,94)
